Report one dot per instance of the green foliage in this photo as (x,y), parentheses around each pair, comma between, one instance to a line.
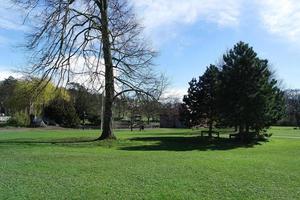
(243,93)
(62,112)
(32,95)
(94,119)
(86,103)
(184,115)
(20,118)
(249,96)
(6,91)
(166,165)
(190,107)
(202,98)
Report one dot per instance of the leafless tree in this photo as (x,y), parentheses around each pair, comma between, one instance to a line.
(292,101)
(99,41)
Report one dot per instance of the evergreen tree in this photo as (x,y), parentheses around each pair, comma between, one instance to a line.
(202,98)
(7,87)
(184,115)
(87,103)
(191,103)
(62,112)
(208,88)
(248,97)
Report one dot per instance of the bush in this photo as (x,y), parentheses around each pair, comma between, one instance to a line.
(62,112)
(19,119)
(94,119)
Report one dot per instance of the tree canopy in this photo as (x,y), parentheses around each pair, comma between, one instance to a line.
(242,92)
(249,94)
(202,98)
(103,36)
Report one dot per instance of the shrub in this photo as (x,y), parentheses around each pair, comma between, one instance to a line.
(19,119)
(62,112)
(94,119)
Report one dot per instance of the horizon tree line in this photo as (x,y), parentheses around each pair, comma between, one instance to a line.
(67,106)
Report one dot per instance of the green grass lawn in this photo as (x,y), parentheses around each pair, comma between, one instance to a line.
(154,164)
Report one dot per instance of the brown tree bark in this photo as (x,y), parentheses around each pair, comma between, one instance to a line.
(107,131)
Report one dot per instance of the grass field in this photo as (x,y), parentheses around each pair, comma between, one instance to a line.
(154,164)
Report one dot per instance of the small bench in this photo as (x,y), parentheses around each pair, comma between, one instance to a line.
(141,127)
(208,132)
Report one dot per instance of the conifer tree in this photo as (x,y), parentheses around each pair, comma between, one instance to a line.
(248,95)
(202,98)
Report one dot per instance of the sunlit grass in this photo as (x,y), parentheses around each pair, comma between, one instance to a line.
(153,164)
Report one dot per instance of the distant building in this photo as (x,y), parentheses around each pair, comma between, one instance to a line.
(170,121)
(170,117)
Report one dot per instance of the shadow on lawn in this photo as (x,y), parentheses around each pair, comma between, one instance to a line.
(164,142)
(187,144)
(57,141)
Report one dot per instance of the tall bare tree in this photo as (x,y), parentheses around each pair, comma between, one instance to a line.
(99,41)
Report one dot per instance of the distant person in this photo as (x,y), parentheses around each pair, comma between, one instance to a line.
(142,127)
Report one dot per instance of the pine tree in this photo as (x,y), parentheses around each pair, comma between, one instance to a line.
(191,103)
(208,87)
(202,98)
(248,97)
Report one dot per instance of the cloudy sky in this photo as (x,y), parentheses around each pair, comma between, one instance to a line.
(192,34)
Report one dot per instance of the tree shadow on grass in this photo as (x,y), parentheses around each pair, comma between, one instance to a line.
(187,144)
(63,141)
(141,143)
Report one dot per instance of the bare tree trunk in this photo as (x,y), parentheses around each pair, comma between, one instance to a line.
(242,132)
(107,132)
(131,121)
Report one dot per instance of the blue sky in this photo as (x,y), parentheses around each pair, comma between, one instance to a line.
(192,34)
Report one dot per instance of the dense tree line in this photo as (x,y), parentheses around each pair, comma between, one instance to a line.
(242,93)
(25,101)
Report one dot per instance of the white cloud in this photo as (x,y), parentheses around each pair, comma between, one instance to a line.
(163,13)
(174,94)
(88,72)
(281,17)
(164,18)
(4,74)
